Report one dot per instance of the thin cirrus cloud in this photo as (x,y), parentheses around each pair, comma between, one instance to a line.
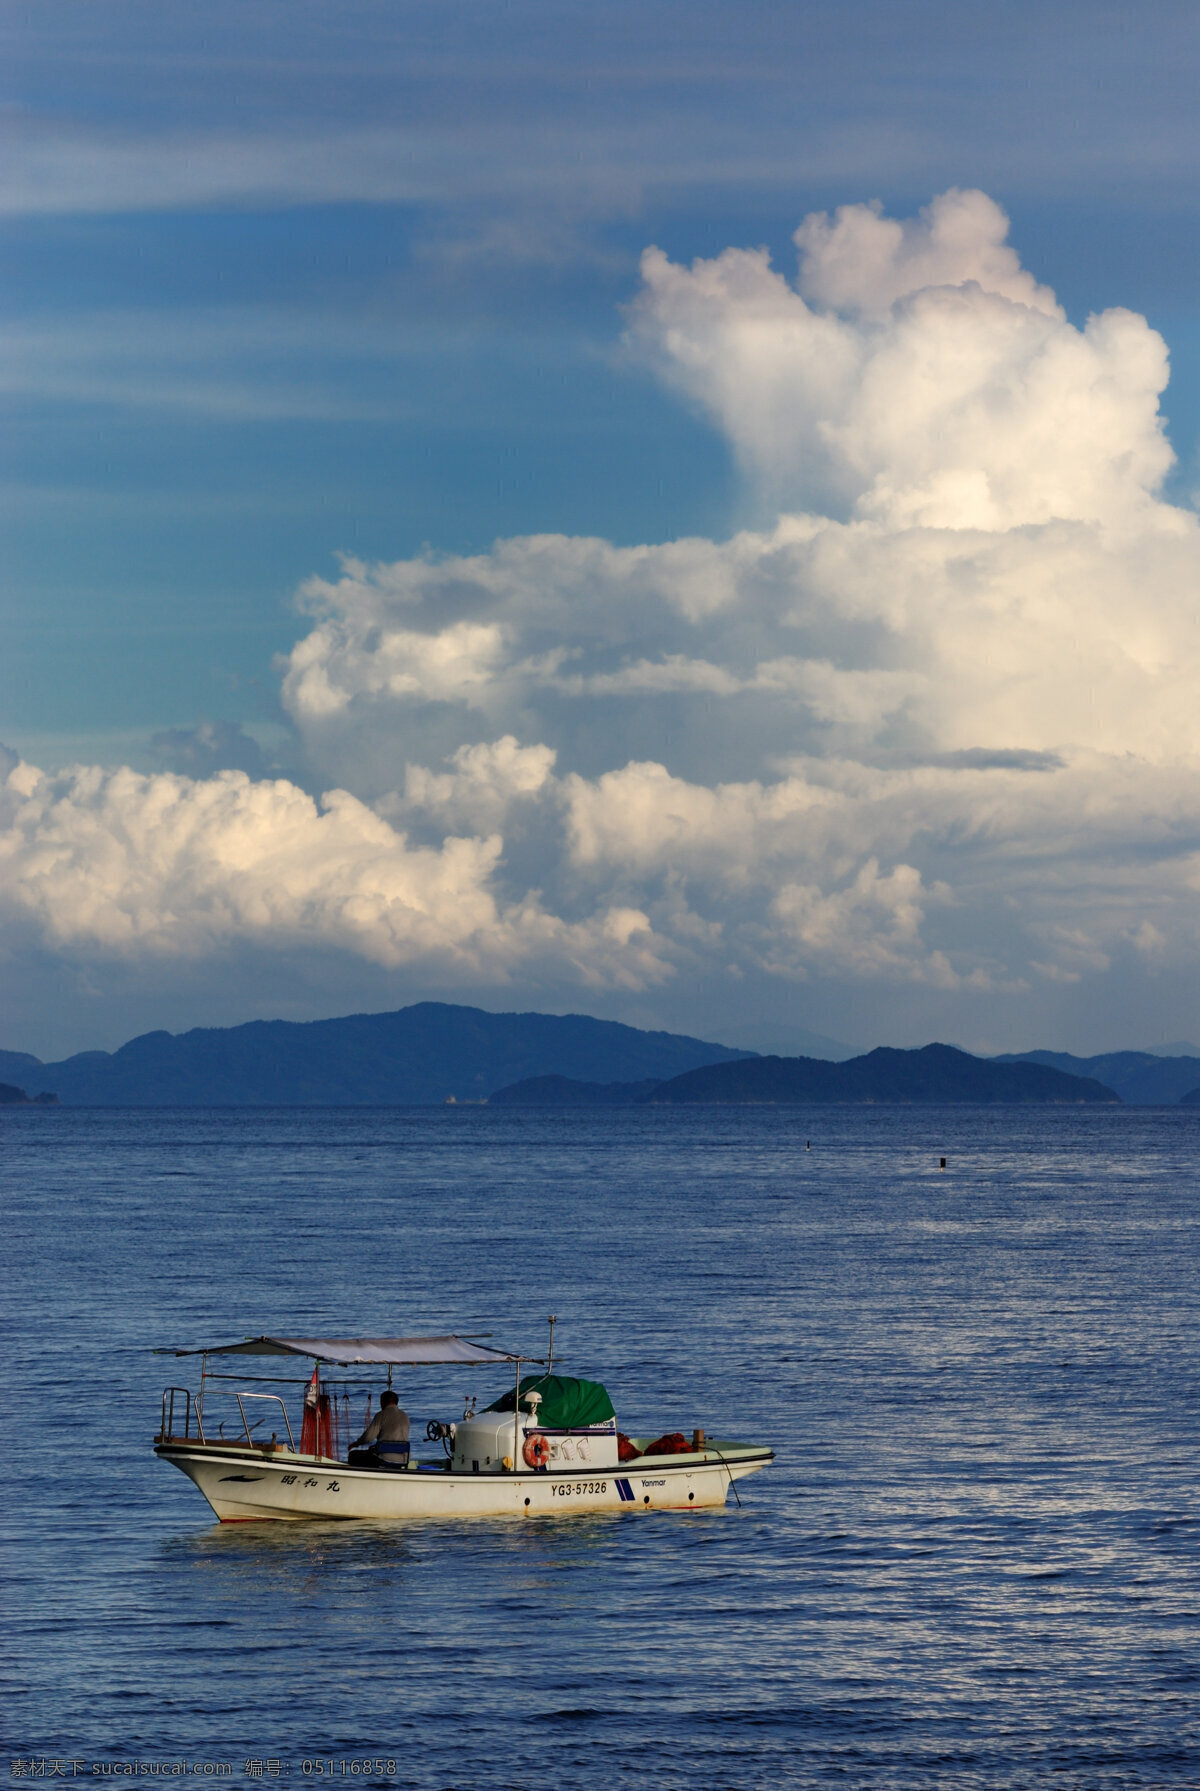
(933,727)
(49,173)
(138,107)
(234,363)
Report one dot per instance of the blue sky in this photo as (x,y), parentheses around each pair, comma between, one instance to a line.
(289,282)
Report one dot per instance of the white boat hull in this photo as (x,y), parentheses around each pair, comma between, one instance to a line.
(247,1485)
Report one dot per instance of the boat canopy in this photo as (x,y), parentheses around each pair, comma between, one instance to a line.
(566,1402)
(412,1352)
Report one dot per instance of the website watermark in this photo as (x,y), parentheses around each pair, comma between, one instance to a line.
(371,1766)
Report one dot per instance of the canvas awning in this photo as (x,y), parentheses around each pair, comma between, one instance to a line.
(411,1352)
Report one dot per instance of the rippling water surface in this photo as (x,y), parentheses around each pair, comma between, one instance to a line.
(975,1562)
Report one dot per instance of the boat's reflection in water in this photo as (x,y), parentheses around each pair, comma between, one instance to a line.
(427,1582)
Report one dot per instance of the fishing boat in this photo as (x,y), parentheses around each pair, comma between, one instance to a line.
(549,1443)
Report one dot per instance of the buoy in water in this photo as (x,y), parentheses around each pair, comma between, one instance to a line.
(942,1163)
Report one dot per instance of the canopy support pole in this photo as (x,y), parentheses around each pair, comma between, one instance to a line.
(516,1414)
(553,1320)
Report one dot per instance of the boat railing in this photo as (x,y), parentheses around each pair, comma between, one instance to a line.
(241,1395)
(193,1417)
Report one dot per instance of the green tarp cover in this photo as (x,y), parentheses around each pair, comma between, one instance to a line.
(565,1402)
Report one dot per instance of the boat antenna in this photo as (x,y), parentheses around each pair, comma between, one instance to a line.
(551,1321)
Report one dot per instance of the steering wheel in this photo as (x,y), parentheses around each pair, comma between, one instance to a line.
(436,1432)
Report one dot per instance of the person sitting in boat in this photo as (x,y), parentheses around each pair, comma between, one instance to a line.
(384,1443)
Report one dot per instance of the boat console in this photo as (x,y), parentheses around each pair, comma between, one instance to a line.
(494,1442)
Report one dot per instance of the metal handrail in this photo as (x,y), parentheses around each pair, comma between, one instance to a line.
(166,1428)
(240,1395)
(278,1401)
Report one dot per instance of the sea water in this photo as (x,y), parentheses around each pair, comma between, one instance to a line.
(975,1561)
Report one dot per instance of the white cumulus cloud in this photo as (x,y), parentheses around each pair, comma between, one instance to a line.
(123,863)
(936,726)
(929,382)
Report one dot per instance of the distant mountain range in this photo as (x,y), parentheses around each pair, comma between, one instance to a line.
(418,1056)
(1141,1078)
(435,1052)
(937,1074)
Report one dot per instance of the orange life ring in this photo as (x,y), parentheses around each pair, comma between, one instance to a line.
(536,1450)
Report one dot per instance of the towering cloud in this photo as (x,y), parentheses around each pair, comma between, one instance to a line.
(926,382)
(936,725)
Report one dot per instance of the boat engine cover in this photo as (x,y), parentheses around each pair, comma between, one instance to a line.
(488,1438)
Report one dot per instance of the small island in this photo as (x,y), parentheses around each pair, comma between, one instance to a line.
(936,1074)
(16,1097)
